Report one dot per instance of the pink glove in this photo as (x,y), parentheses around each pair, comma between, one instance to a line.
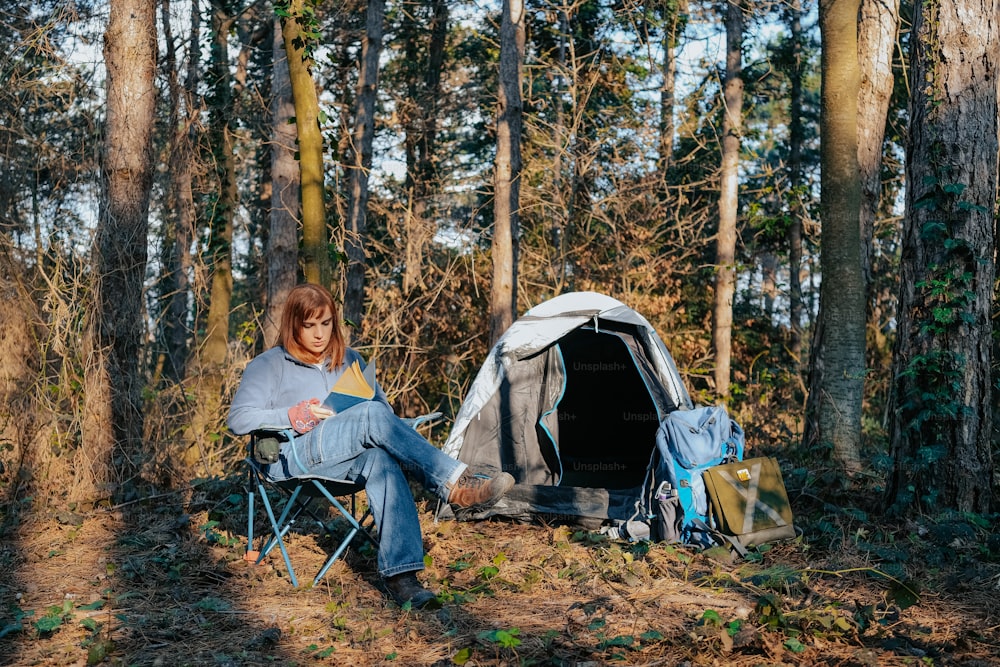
(302,417)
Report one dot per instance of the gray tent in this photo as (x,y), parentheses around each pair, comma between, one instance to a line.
(568,402)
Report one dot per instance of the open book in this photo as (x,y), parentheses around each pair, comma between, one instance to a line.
(353,387)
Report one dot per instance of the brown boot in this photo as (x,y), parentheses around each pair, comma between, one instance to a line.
(406,587)
(479,491)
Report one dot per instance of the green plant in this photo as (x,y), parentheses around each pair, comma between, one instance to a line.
(215,537)
(502,638)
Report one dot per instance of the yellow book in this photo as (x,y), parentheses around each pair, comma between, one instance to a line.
(352,387)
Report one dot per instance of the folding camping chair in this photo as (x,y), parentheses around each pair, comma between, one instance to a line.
(299,493)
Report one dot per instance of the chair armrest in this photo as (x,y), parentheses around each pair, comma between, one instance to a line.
(414,422)
(265,443)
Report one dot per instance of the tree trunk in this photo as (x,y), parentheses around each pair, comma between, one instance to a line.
(204,374)
(673,17)
(108,458)
(179,227)
(838,380)
(212,352)
(796,137)
(282,239)
(942,421)
(315,235)
(732,121)
(360,164)
(507,171)
(877,27)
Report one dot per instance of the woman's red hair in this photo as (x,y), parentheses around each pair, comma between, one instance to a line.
(305,301)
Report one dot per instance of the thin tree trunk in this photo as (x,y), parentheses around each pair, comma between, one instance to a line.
(361,163)
(732,122)
(877,27)
(838,381)
(109,456)
(282,238)
(673,24)
(316,265)
(562,218)
(212,352)
(941,423)
(507,171)
(174,283)
(796,137)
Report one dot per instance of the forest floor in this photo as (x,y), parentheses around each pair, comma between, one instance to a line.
(164,582)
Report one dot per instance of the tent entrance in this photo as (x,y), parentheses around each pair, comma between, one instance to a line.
(606,416)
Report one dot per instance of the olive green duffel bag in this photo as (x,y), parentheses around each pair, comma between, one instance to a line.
(748,502)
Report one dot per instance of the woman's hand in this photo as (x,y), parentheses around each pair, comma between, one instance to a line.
(306,415)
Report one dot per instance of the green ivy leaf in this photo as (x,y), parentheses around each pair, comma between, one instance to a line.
(794,645)
(711,617)
(48,623)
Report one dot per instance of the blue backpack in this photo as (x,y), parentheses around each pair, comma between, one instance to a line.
(673,495)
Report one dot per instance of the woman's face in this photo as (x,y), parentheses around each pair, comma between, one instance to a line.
(314,336)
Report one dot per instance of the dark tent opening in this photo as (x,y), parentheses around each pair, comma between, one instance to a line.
(606,416)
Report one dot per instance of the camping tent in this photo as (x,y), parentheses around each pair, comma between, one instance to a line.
(569,401)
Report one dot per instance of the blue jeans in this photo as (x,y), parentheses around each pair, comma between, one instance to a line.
(370,445)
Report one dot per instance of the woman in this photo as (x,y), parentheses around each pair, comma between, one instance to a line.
(367,443)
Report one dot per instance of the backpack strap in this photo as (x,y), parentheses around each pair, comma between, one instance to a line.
(720,538)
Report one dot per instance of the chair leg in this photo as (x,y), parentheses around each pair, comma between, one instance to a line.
(298,503)
(356,527)
(278,534)
(250,554)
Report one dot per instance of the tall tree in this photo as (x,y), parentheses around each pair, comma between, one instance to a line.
(877,29)
(837,365)
(725,256)
(206,370)
(360,162)
(298,28)
(507,170)
(282,238)
(941,425)
(212,350)
(174,283)
(796,138)
(673,15)
(113,414)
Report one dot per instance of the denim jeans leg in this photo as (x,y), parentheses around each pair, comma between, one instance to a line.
(373,424)
(401,547)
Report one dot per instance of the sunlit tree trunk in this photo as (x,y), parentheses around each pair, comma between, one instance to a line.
(942,424)
(877,27)
(315,256)
(507,171)
(725,258)
(360,163)
(837,378)
(282,239)
(109,456)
